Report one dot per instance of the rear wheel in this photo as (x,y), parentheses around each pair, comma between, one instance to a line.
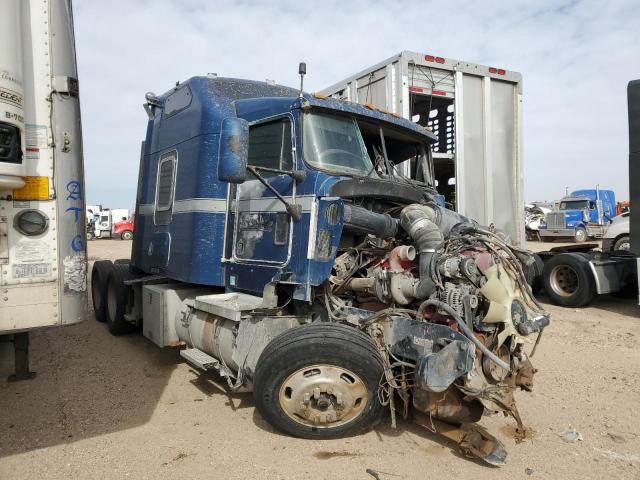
(320,381)
(120,299)
(99,274)
(533,273)
(581,235)
(126,235)
(568,280)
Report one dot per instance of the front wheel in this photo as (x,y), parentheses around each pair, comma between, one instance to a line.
(581,235)
(622,243)
(320,381)
(126,235)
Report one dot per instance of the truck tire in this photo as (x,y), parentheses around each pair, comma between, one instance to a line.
(119,299)
(533,274)
(126,235)
(623,243)
(99,274)
(306,372)
(90,236)
(568,280)
(580,235)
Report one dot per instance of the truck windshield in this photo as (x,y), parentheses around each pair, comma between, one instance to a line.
(350,146)
(335,143)
(574,204)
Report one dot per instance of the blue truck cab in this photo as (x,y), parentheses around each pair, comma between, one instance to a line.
(581,215)
(245,233)
(278,243)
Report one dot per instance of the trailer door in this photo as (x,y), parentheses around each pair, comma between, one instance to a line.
(488,152)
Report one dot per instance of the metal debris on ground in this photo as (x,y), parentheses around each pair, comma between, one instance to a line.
(376,474)
(571,435)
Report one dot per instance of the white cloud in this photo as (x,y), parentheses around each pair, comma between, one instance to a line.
(576,59)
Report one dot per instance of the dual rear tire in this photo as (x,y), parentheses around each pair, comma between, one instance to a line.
(112,298)
(568,280)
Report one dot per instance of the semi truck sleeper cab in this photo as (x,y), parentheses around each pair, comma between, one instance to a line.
(277,240)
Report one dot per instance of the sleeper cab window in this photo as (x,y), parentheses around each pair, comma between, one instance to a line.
(165,187)
(270,146)
(178,101)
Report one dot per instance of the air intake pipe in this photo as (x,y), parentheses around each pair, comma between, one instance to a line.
(365,221)
(419,221)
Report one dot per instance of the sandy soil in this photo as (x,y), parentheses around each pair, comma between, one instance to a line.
(108,408)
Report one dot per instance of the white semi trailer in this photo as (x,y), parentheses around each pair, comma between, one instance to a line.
(475,111)
(42,205)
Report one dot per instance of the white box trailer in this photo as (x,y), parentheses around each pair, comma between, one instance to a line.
(476,112)
(42,206)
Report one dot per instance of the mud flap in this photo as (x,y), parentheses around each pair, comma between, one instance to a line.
(472,438)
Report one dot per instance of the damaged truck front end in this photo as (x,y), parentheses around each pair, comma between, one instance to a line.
(339,290)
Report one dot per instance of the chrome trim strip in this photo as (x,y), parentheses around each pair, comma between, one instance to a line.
(313,226)
(219,205)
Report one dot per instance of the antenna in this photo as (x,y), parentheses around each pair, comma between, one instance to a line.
(302,71)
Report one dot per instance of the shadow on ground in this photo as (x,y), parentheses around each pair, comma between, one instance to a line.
(88,383)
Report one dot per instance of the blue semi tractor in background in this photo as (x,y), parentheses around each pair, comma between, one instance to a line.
(279,245)
(575,275)
(581,215)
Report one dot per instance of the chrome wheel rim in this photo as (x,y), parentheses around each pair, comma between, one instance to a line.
(323,396)
(581,235)
(564,280)
(624,246)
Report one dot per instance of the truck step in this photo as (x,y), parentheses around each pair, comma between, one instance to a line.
(200,359)
(228,305)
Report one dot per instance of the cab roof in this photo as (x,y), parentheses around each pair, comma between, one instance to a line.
(255,100)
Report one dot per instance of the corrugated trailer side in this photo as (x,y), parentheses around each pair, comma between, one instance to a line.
(476,112)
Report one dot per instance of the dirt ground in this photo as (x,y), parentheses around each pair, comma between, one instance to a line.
(109,408)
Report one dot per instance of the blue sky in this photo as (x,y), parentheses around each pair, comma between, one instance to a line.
(575,57)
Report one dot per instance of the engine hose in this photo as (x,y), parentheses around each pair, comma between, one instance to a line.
(466,330)
(365,221)
(419,222)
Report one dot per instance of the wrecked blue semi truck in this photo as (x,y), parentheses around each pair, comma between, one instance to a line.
(581,215)
(278,244)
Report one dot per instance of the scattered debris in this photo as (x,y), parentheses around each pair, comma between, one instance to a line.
(616,438)
(179,456)
(621,457)
(324,455)
(376,474)
(571,435)
(528,471)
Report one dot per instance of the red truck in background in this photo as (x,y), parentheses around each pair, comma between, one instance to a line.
(125,229)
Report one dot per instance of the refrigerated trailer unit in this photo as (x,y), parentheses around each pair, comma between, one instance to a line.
(475,111)
(42,207)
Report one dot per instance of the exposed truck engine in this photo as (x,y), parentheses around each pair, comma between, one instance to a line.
(277,241)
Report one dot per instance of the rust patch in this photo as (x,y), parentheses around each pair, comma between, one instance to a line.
(207,333)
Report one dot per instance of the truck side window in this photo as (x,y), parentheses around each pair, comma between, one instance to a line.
(165,188)
(177,101)
(270,146)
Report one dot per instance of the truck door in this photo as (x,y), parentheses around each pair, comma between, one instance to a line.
(262,228)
